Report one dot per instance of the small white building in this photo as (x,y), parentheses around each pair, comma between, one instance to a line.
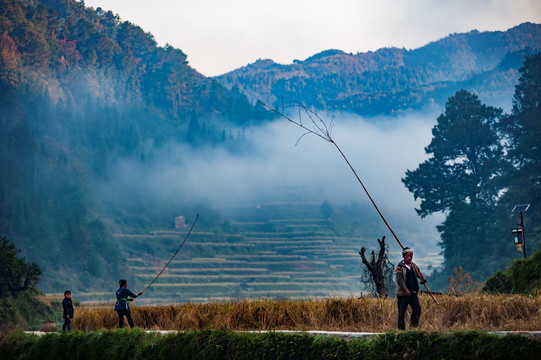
(180,222)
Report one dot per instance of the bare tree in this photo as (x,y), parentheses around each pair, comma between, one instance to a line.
(378,271)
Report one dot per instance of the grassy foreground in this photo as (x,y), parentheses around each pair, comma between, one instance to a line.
(468,312)
(228,344)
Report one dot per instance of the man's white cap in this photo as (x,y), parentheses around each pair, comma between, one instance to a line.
(406,250)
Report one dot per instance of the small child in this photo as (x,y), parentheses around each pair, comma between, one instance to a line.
(122,306)
(67,305)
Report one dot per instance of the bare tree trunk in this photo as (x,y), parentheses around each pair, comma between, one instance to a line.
(378,268)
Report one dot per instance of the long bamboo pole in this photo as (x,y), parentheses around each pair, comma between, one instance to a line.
(172,257)
(324,131)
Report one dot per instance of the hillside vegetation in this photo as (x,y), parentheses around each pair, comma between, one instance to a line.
(227,344)
(83,90)
(19,305)
(522,277)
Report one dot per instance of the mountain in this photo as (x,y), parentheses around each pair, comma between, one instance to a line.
(392,80)
(81,91)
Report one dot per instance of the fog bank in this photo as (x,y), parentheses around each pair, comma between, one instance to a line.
(281,165)
(285,166)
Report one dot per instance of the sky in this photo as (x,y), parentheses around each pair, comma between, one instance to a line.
(219,36)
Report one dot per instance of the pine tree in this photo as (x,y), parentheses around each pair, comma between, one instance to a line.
(522,130)
(460,178)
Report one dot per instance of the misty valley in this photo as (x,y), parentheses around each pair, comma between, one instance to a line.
(262,231)
(107,138)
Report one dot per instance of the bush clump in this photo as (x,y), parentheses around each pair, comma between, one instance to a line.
(228,344)
(522,277)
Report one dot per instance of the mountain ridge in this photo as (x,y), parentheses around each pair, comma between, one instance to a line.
(337,81)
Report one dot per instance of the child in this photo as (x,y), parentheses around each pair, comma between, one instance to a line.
(121,306)
(67,306)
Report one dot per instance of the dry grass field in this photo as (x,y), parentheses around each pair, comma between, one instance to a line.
(467,312)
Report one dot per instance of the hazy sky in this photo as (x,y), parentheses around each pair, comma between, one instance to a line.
(222,35)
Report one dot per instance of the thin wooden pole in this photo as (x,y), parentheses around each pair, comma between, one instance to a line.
(172,257)
(323,131)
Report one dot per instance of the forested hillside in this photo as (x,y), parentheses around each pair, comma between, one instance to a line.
(391,80)
(80,88)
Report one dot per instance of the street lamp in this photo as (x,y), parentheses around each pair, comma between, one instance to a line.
(517,236)
(518,233)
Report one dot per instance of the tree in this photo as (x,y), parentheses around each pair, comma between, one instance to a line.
(194,130)
(461,177)
(522,130)
(378,274)
(9,61)
(523,126)
(465,156)
(16,275)
(461,282)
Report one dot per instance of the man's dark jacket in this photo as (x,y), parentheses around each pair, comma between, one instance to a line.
(401,275)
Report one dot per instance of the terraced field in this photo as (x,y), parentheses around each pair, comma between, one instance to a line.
(280,258)
(301,260)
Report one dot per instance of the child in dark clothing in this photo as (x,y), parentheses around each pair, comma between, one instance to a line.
(67,306)
(121,306)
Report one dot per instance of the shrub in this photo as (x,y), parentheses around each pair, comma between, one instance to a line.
(228,344)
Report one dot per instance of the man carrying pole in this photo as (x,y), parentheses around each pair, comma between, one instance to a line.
(407,289)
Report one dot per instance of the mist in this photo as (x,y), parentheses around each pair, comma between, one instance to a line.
(283,165)
(280,165)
